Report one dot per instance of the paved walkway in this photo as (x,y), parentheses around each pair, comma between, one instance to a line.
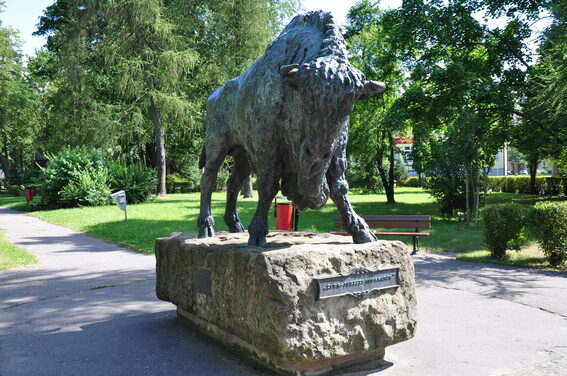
(89,308)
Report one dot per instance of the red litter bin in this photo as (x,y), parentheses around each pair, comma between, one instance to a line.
(283,213)
(29,193)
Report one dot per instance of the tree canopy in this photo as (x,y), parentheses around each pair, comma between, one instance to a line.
(131,77)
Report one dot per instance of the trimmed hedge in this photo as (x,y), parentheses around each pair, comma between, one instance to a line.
(545,185)
(504,228)
(550,223)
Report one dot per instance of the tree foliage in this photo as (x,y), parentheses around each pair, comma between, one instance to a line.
(371,143)
(18,107)
(132,76)
(465,81)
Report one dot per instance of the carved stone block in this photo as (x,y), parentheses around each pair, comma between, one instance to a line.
(267,301)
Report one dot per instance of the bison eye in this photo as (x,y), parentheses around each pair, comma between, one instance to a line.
(327,154)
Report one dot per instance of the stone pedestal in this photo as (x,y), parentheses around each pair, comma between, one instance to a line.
(271,304)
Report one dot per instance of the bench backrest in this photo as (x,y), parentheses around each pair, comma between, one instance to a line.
(393,221)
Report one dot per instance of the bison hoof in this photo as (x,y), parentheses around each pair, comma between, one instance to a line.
(233,223)
(360,237)
(257,240)
(206,227)
(235,227)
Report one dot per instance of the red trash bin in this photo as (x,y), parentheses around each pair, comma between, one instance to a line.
(29,193)
(283,216)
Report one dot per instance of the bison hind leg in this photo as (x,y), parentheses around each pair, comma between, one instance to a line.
(240,171)
(212,158)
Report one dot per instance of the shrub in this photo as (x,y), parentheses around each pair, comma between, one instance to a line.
(16,190)
(400,171)
(414,181)
(545,185)
(504,228)
(550,222)
(363,175)
(555,186)
(138,181)
(68,166)
(222,180)
(177,183)
(192,176)
(87,188)
(496,183)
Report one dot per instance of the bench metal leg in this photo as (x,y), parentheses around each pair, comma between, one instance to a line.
(415,243)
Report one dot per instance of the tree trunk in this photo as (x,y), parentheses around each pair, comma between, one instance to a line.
(554,169)
(155,115)
(485,186)
(533,170)
(247,188)
(391,177)
(476,196)
(5,160)
(160,147)
(387,180)
(467,194)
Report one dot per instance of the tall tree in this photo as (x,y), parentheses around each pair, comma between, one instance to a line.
(18,107)
(142,42)
(373,48)
(78,108)
(465,78)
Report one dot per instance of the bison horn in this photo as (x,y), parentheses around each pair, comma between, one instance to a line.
(289,73)
(371,88)
(288,70)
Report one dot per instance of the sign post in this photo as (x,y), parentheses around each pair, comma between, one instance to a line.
(120,198)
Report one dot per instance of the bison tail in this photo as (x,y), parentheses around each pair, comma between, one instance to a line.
(202,158)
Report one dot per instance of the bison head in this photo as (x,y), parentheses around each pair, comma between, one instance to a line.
(321,98)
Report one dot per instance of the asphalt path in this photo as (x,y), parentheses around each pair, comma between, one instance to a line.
(89,308)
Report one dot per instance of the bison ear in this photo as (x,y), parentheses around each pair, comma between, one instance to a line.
(371,88)
(290,73)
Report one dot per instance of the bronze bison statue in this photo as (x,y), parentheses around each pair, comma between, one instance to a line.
(286,120)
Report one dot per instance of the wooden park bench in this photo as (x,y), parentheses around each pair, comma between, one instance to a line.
(43,203)
(395,221)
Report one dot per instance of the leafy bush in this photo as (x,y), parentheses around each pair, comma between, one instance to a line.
(222,180)
(177,183)
(414,181)
(550,222)
(496,183)
(504,228)
(138,181)
(554,185)
(192,176)
(86,188)
(400,171)
(68,166)
(363,176)
(16,190)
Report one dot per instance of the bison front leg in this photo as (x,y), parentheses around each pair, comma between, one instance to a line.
(258,229)
(212,159)
(338,186)
(240,171)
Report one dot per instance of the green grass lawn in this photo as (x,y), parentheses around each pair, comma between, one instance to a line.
(530,256)
(178,213)
(12,256)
